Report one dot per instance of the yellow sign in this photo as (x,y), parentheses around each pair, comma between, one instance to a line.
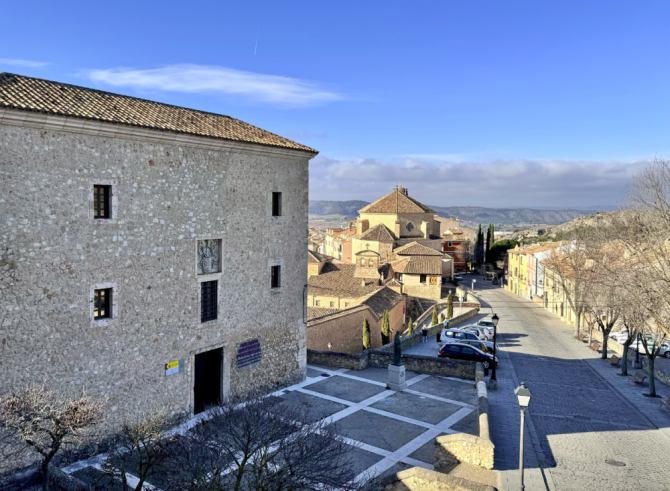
(433,280)
(172,364)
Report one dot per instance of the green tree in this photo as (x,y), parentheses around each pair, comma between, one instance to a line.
(410,327)
(442,317)
(386,339)
(450,306)
(434,321)
(488,244)
(366,334)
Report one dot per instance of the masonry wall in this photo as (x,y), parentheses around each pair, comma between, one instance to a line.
(52,254)
(345,331)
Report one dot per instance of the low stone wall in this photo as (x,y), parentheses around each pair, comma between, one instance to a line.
(659,373)
(338,360)
(411,340)
(425,364)
(451,450)
(419,479)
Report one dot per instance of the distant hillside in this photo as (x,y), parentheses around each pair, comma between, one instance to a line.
(346,208)
(564,231)
(470,216)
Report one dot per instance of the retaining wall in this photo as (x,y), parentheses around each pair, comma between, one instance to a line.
(451,450)
(419,479)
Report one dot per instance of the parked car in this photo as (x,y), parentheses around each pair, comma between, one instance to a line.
(480,345)
(458,351)
(457,335)
(664,351)
(458,277)
(484,332)
(619,336)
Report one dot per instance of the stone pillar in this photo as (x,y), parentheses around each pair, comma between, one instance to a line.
(397,377)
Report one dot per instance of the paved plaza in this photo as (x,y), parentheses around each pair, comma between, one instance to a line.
(391,431)
(588,428)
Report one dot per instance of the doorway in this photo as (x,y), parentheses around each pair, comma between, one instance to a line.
(207,387)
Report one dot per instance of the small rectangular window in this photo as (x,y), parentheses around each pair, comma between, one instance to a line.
(346,304)
(332,305)
(276,204)
(102,304)
(317,303)
(209,297)
(422,278)
(275,277)
(101,201)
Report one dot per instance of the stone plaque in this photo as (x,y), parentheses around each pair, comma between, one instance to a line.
(209,256)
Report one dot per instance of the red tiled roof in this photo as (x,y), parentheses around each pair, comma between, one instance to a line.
(396,202)
(44,96)
(416,249)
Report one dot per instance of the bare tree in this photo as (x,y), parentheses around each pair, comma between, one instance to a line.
(264,444)
(571,268)
(142,446)
(46,421)
(633,318)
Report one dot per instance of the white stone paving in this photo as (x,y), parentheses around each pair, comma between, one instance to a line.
(401,455)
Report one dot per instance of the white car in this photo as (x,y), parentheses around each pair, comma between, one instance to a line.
(458,277)
(484,332)
(456,335)
(620,336)
(664,351)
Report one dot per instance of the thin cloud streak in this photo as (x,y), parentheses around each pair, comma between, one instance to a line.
(189,78)
(23,63)
(493,183)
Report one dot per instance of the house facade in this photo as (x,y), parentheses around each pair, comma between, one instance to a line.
(146,249)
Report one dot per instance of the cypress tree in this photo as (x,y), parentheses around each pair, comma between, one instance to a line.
(488,244)
(410,327)
(450,306)
(385,328)
(442,317)
(366,334)
(434,315)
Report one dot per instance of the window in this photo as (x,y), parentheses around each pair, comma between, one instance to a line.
(275,276)
(362,262)
(454,349)
(102,304)
(317,303)
(467,351)
(276,204)
(208,300)
(102,201)
(422,278)
(450,244)
(346,304)
(332,305)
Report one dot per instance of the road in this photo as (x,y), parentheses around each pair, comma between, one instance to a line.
(587,427)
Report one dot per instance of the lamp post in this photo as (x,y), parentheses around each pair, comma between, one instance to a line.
(460,303)
(473,285)
(523,397)
(493,383)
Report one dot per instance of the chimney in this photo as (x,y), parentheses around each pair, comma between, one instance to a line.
(362,282)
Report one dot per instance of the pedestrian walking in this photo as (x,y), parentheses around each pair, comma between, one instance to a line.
(424,333)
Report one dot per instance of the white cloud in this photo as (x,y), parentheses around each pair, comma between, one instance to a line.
(216,79)
(492,183)
(25,63)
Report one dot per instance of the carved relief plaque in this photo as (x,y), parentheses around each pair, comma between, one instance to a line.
(209,256)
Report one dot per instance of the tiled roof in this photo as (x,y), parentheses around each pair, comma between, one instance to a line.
(396,202)
(342,234)
(454,234)
(316,312)
(317,257)
(541,247)
(384,299)
(416,249)
(419,265)
(44,96)
(378,233)
(338,280)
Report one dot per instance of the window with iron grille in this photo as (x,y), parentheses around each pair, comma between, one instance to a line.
(276,204)
(102,304)
(102,201)
(208,300)
(275,276)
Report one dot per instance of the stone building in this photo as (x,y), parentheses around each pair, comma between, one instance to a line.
(148,252)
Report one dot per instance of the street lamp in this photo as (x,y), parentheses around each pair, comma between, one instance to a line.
(493,383)
(523,397)
(473,285)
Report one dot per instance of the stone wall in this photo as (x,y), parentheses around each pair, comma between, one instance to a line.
(166,198)
(451,450)
(338,360)
(419,479)
(344,330)
(423,290)
(425,364)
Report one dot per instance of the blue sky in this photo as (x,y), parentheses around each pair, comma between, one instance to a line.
(489,103)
